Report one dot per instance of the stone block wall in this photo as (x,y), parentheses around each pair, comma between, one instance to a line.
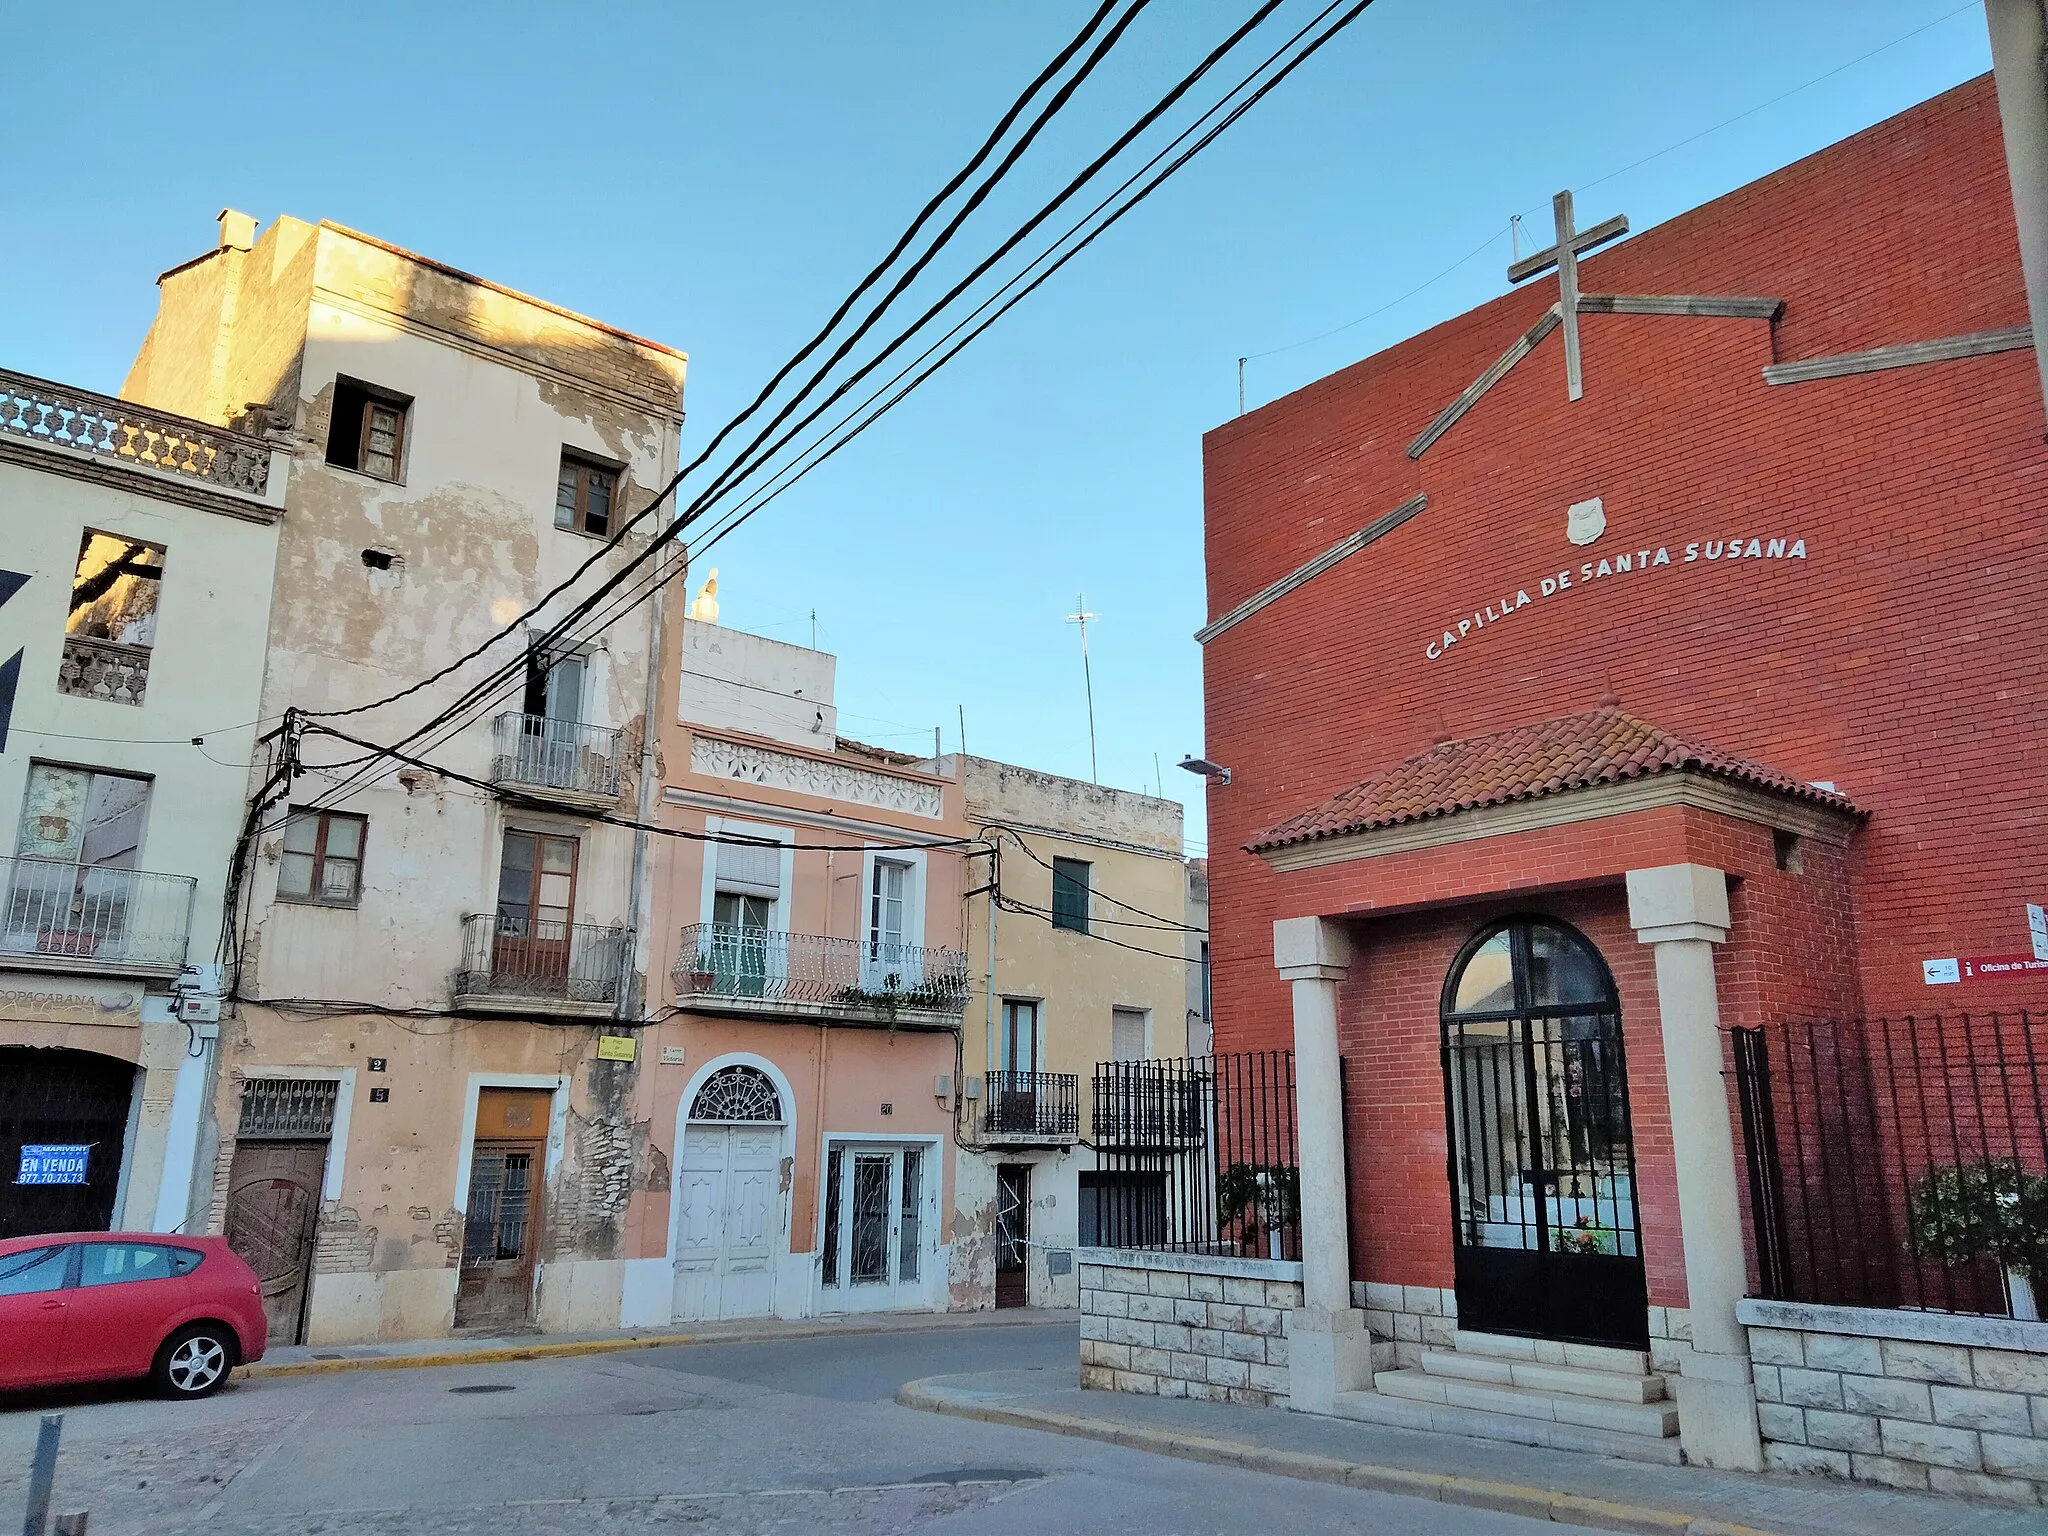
(1907,1399)
(1406,1318)
(1186,1325)
(1670,1339)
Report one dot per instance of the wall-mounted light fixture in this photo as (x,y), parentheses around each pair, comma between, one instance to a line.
(1206,769)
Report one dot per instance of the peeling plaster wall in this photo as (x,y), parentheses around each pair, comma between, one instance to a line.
(1133,844)
(500,385)
(1053,1227)
(205,673)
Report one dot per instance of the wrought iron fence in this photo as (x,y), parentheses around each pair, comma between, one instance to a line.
(126,918)
(1043,1104)
(534,752)
(1195,1154)
(513,955)
(65,417)
(728,960)
(1898,1162)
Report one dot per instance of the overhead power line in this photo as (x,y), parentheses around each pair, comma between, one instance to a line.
(726,480)
(874,275)
(1073,240)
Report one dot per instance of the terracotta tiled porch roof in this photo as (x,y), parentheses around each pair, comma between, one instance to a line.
(1602,746)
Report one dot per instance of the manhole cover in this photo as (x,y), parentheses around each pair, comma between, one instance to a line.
(488,1386)
(983,1475)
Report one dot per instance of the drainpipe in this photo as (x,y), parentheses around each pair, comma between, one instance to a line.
(636,900)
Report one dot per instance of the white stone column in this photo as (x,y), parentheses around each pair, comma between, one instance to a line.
(1681,911)
(2019,59)
(1329,1349)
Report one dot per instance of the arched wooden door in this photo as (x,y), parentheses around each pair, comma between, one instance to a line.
(272,1217)
(1542,1157)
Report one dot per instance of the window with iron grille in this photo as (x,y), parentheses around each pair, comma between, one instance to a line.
(286,1109)
(1070,894)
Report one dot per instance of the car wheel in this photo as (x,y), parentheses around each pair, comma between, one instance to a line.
(194,1361)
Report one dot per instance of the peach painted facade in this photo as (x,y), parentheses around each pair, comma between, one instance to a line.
(805,989)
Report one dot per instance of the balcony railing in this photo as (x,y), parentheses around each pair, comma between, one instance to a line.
(103,669)
(513,958)
(559,757)
(1034,1105)
(87,916)
(722,961)
(1152,1103)
(64,417)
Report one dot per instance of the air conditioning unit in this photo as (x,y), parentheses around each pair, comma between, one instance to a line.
(198,1008)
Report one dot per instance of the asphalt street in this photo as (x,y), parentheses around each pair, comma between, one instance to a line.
(794,1435)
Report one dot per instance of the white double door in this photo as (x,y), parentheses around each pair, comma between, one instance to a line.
(728,1217)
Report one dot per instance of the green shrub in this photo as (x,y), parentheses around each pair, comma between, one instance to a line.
(1992,1209)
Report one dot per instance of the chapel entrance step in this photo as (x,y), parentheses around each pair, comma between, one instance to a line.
(1590,1357)
(1477,1423)
(1615,1386)
(1655,1420)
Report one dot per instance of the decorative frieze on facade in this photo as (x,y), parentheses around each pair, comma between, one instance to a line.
(721,759)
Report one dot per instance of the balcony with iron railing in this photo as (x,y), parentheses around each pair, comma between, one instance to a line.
(1033,1108)
(731,969)
(513,962)
(59,416)
(1150,1104)
(560,761)
(93,920)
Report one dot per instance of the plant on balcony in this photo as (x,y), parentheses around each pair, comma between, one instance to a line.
(1989,1209)
(1261,1202)
(892,996)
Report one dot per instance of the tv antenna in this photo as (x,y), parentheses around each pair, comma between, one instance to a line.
(1081,616)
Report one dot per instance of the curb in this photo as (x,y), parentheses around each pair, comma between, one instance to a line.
(569,1348)
(1443,1487)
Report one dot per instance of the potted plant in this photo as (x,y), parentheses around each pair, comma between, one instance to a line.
(1989,1209)
(1262,1202)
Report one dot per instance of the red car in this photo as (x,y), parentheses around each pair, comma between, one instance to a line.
(104,1306)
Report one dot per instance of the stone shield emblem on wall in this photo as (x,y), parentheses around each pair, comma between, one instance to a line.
(1585,521)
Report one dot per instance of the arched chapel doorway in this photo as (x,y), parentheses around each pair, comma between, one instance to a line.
(728,1196)
(1547,1238)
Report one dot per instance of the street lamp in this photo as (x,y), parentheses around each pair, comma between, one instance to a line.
(1206,769)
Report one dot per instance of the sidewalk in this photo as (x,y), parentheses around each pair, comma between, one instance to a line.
(1561,1486)
(411,1354)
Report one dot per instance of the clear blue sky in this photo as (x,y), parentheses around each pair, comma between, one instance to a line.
(716,176)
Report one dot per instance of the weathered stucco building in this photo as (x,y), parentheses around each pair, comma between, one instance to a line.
(807,982)
(418,1132)
(1080,958)
(139,548)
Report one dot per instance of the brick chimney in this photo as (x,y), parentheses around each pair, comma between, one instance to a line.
(237,230)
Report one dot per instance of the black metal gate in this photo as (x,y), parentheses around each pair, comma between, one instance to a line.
(53,1098)
(1548,1242)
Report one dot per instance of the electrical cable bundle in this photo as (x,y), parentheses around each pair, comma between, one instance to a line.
(783,448)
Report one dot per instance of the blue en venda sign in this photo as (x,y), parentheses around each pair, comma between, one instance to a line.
(52,1165)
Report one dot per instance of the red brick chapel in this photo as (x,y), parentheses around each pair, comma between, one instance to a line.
(1591,699)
